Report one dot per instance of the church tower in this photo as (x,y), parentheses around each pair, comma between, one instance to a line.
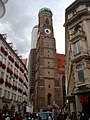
(47,84)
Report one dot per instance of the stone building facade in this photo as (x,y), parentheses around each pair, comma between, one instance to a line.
(77,50)
(47,83)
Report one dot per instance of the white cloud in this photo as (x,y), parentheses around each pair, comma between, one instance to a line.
(5,27)
(21,16)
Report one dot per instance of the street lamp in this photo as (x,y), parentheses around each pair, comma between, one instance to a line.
(4,1)
(2,7)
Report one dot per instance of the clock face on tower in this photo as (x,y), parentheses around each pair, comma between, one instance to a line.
(47,31)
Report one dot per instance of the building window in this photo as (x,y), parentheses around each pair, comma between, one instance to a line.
(49,98)
(80,73)
(74,12)
(15,97)
(7,77)
(8,95)
(48,45)
(48,72)
(2,74)
(76,47)
(11,67)
(88,7)
(0,91)
(5,94)
(10,79)
(47,21)
(0,57)
(8,64)
(48,86)
(78,28)
(4,61)
(18,97)
(12,96)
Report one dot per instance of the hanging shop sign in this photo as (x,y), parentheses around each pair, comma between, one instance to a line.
(84,99)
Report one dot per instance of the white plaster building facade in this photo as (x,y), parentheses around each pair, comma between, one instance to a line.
(13,79)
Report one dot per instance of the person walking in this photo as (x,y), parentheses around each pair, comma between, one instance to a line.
(0,114)
(49,117)
(79,115)
(18,117)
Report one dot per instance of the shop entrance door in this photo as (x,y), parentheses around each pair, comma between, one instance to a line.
(86,106)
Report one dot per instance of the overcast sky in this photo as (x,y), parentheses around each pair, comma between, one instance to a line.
(22,15)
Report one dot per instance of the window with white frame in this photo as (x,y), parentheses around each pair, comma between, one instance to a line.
(15,70)
(0,57)
(12,96)
(0,91)
(16,83)
(10,79)
(13,80)
(5,93)
(15,97)
(76,47)
(80,73)
(8,64)
(9,53)
(18,98)
(4,61)
(11,66)
(7,77)
(2,74)
(8,96)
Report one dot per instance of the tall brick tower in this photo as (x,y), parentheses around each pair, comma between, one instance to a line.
(47,83)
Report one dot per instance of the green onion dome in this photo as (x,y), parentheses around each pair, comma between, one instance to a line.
(44,10)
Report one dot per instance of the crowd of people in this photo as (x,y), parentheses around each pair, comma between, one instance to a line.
(7,115)
(73,116)
(79,116)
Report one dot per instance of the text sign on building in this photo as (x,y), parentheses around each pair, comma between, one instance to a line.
(84,99)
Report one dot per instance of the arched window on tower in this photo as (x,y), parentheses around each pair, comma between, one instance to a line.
(47,21)
(49,98)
